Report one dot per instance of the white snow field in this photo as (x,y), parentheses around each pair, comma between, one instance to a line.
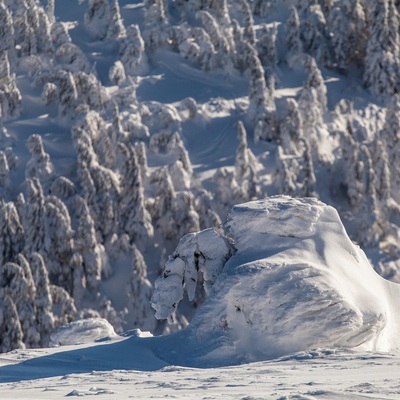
(297,312)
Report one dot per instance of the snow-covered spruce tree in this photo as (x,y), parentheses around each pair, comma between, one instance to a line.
(11,335)
(217,37)
(10,96)
(391,135)
(64,310)
(97,18)
(92,252)
(353,169)
(89,90)
(382,169)
(26,308)
(374,227)
(266,46)
(33,219)
(71,58)
(291,127)
(39,165)
(261,7)
(116,29)
(116,74)
(249,34)
(43,302)
(184,213)
(68,95)
(14,284)
(11,232)
(162,211)
(139,292)
(315,80)
(292,38)
(4,176)
(382,67)
(287,172)
(343,33)
(314,34)
(106,196)
(59,243)
(227,190)
(242,153)
(59,34)
(156,21)
(7,38)
(24,34)
(266,128)
(181,178)
(50,8)
(200,50)
(63,188)
(135,219)
(207,215)
(141,154)
(307,174)
(50,94)
(260,96)
(132,53)
(42,30)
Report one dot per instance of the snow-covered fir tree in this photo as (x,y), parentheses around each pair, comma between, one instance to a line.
(11,335)
(39,166)
(135,219)
(382,69)
(139,291)
(43,302)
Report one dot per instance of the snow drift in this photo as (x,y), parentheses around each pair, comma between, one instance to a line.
(295,282)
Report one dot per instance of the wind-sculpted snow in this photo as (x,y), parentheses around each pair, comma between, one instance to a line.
(296,282)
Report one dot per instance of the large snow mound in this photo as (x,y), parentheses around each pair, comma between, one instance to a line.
(295,282)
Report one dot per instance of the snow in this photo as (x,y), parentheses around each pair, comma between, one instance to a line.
(296,312)
(294,308)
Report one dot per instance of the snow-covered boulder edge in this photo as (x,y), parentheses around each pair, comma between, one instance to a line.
(295,282)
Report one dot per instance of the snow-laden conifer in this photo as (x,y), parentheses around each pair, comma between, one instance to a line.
(132,53)
(116,29)
(139,291)
(292,37)
(34,223)
(117,73)
(43,302)
(266,46)
(382,68)
(4,175)
(14,283)
(135,219)
(58,243)
(39,165)
(92,252)
(97,18)
(64,310)
(11,335)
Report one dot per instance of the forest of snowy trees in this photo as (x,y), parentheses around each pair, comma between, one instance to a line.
(132,190)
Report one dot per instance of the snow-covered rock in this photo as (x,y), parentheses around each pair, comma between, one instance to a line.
(295,282)
(82,331)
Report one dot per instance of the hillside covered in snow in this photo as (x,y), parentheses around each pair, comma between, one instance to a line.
(125,125)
